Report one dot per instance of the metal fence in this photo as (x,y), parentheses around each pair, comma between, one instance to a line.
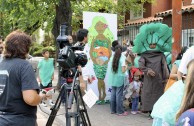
(188,29)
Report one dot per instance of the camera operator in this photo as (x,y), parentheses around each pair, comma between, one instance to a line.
(18,86)
(82,38)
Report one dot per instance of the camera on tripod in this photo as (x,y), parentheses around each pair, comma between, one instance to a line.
(69,60)
(67,56)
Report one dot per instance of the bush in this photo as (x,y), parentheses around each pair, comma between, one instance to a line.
(36,49)
(37,53)
(51,50)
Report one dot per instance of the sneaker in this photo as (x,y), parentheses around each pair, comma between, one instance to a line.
(123,114)
(133,112)
(150,117)
(139,112)
(51,103)
(50,92)
(43,104)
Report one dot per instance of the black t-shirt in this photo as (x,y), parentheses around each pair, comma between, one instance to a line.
(16,75)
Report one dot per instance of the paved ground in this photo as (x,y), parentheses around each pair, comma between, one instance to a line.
(99,115)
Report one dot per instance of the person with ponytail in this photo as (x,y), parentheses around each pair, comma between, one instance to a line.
(185,115)
(116,81)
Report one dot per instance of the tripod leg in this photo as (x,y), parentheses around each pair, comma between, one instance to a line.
(55,109)
(74,114)
(76,108)
(83,111)
(67,115)
(83,118)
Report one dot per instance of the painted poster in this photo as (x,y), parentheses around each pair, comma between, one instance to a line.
(102,32)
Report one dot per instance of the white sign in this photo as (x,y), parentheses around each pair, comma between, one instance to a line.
(109,30)
(90,98)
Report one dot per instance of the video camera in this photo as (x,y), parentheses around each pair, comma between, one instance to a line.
(68,59)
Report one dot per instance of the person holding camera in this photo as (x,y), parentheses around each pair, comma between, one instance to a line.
(19,90)
(82,37)
(82,40)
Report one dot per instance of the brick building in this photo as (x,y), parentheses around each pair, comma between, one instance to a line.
(160,11)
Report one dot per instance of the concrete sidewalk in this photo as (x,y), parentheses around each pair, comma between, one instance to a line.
(42,117)
(99,115)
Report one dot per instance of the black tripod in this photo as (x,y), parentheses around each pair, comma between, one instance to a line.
(80,114)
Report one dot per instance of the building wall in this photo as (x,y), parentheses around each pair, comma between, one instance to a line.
(127,16)
(168,20)
(147,11)
(187,37)
(188,21)
(161,5)
(187,2)
(152,9)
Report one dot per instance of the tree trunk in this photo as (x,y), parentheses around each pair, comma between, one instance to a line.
(63,15)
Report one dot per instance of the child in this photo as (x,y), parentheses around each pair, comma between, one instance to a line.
(134,91)
(46,74)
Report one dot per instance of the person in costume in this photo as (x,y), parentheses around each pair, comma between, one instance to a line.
(168,56)
(100,39)
(153,40)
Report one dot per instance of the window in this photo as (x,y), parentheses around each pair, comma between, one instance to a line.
(137,15)
(192,2)
(191,41)
(133,31)
(188,37)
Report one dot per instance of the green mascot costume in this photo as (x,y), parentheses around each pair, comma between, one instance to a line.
(153,40)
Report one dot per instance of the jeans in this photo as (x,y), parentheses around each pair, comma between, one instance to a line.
(116,103)
(17,120)
(135,102)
